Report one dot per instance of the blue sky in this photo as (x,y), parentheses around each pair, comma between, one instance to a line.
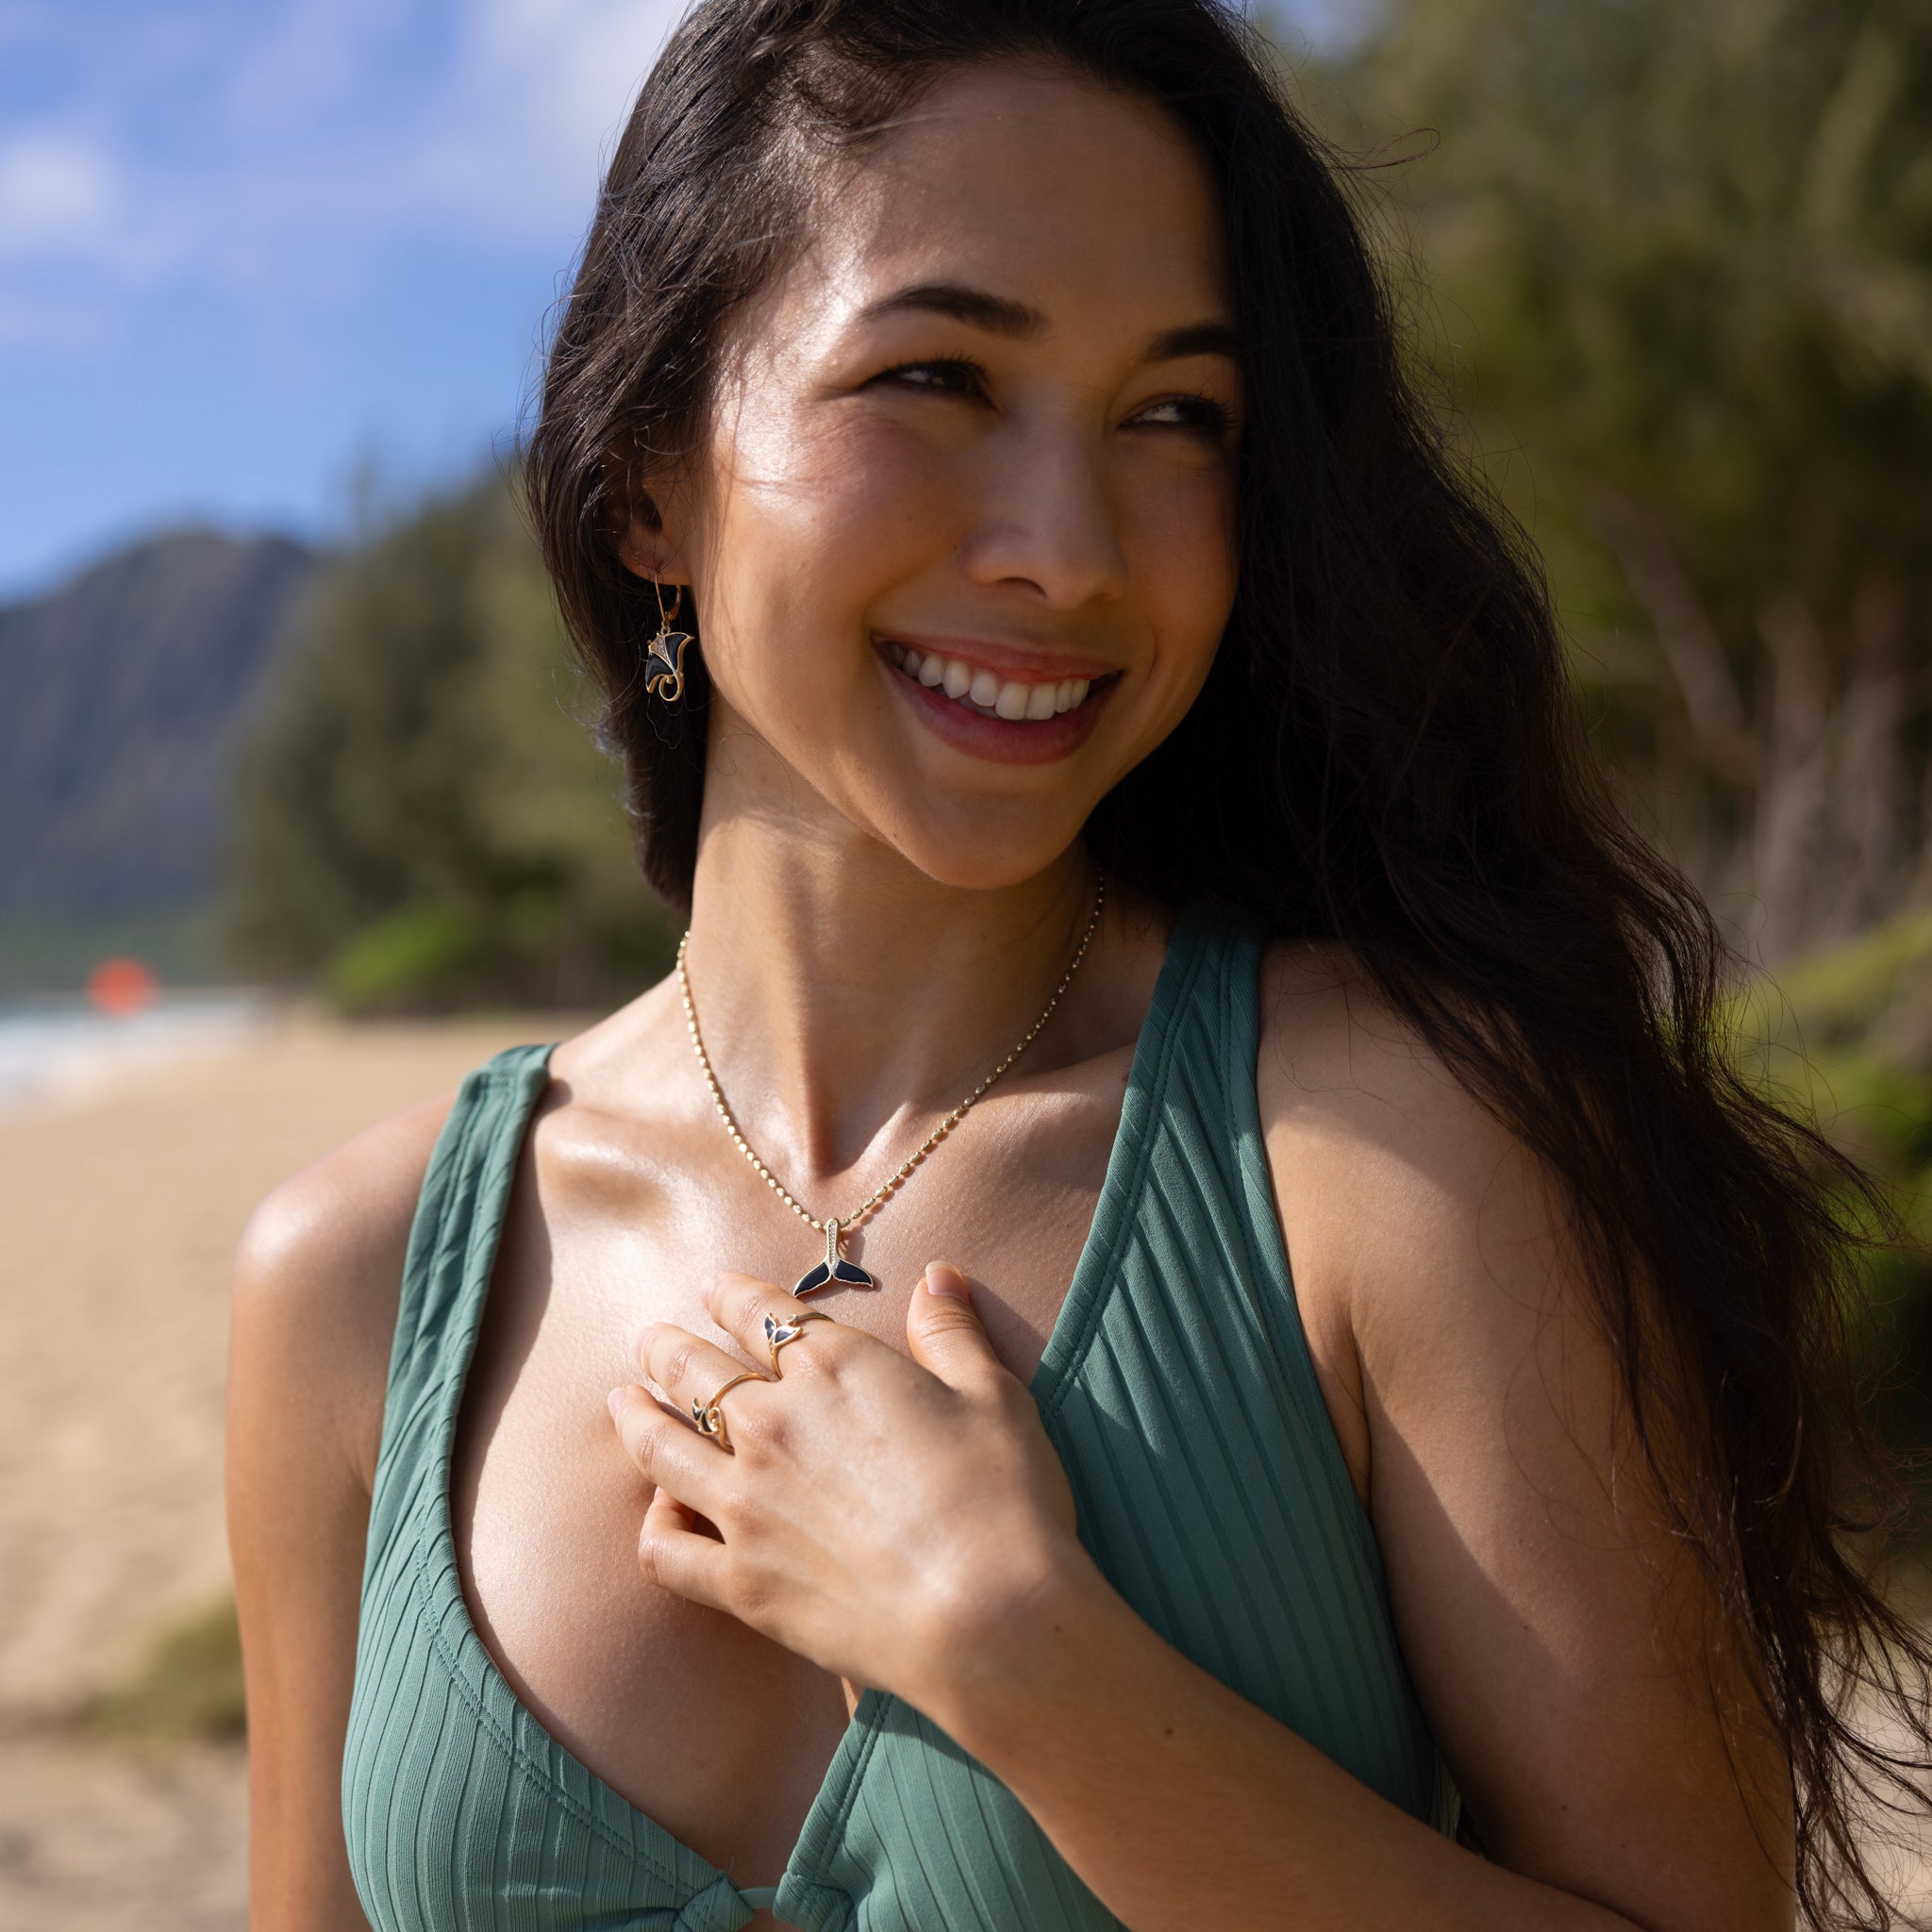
(251,248)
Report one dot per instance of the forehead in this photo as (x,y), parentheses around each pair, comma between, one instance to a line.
(1032,182)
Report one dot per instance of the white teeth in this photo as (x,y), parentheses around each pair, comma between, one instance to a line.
(986,690)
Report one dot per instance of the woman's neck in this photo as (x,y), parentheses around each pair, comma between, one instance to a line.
(843,994)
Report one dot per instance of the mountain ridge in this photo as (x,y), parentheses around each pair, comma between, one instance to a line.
(126,694)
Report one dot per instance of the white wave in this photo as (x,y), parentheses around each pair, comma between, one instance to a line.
(55,1047)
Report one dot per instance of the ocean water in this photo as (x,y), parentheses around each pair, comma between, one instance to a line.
(59,1044)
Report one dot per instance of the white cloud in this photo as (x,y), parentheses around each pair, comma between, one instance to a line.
(536,96)
(285,154)
(58,191)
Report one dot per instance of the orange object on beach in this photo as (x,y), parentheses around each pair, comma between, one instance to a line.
(121,986)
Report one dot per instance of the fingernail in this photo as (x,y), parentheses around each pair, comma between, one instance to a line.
(707,1290)
(616,1396)
(942,1277)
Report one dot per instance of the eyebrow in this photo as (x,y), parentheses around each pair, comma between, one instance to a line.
(1001,316)
(1198,338)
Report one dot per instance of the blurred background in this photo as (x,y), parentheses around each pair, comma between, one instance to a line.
(299,819)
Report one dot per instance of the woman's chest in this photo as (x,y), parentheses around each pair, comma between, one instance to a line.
(720,1736)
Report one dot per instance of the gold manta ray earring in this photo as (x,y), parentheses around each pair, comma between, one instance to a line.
(664,657)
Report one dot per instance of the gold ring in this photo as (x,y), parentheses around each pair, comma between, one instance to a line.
(779,1333)
(710,1418)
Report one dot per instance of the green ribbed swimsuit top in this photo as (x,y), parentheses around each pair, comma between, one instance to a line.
(1176,1388)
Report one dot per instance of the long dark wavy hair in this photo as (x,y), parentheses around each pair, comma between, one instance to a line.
(1384,753)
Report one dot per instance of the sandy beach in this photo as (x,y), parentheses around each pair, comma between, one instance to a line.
(120,1206)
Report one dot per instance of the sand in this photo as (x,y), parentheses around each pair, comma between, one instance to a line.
(94,1839)
(121,1207)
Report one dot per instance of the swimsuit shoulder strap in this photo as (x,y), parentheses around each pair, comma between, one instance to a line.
(452,1250)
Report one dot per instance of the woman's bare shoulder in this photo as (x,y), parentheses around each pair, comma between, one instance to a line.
(1367,1106)
(1416,1218)
(1331,1043)
(318,1276)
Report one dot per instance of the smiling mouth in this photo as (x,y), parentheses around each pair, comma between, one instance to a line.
(984,692)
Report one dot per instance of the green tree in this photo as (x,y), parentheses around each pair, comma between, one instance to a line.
(424,819)
(1679,274)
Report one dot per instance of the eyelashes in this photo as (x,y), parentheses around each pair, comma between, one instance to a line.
(1207,415)
(961,366)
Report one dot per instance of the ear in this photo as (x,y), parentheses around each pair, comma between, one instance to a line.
(644,549)
(651,541)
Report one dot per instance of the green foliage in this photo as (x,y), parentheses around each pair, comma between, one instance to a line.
(1679,262)
(1689,248)
(188,1686)
(425,820)
(1843,1038)
(434,951)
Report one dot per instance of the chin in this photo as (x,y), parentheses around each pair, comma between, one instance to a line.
(985,856)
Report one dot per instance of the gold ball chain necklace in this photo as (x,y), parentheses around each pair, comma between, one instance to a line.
(835,1271)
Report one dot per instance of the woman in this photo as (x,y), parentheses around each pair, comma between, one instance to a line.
(1054,665)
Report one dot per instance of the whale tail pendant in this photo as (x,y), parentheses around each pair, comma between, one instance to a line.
(835,1271)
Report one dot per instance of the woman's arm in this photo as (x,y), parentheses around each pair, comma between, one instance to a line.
(313,1311)
(1567,1649)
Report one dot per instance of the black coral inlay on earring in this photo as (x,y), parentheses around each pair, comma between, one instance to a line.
(664,656)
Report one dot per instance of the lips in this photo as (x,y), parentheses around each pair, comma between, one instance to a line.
(980,729)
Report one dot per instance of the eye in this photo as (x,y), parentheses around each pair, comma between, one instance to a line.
(1205,414)
(953,376)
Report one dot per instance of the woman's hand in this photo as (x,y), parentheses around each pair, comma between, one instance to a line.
(872,1513)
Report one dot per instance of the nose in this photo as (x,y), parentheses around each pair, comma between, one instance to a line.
(1049,523)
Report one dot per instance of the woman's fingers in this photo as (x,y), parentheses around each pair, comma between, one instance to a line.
(754,1314)
(667,1452)
(676,1555)
(691,1371)
(944,1331)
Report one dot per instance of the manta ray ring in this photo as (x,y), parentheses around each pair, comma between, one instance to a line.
(779,1333)
(710,1418)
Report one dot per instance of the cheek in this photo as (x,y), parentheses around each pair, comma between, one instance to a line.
(860,487)
(809,529)
(1177,532)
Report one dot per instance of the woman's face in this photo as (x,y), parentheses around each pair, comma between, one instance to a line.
(960,541)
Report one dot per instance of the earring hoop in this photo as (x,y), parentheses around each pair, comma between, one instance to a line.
(664,657)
